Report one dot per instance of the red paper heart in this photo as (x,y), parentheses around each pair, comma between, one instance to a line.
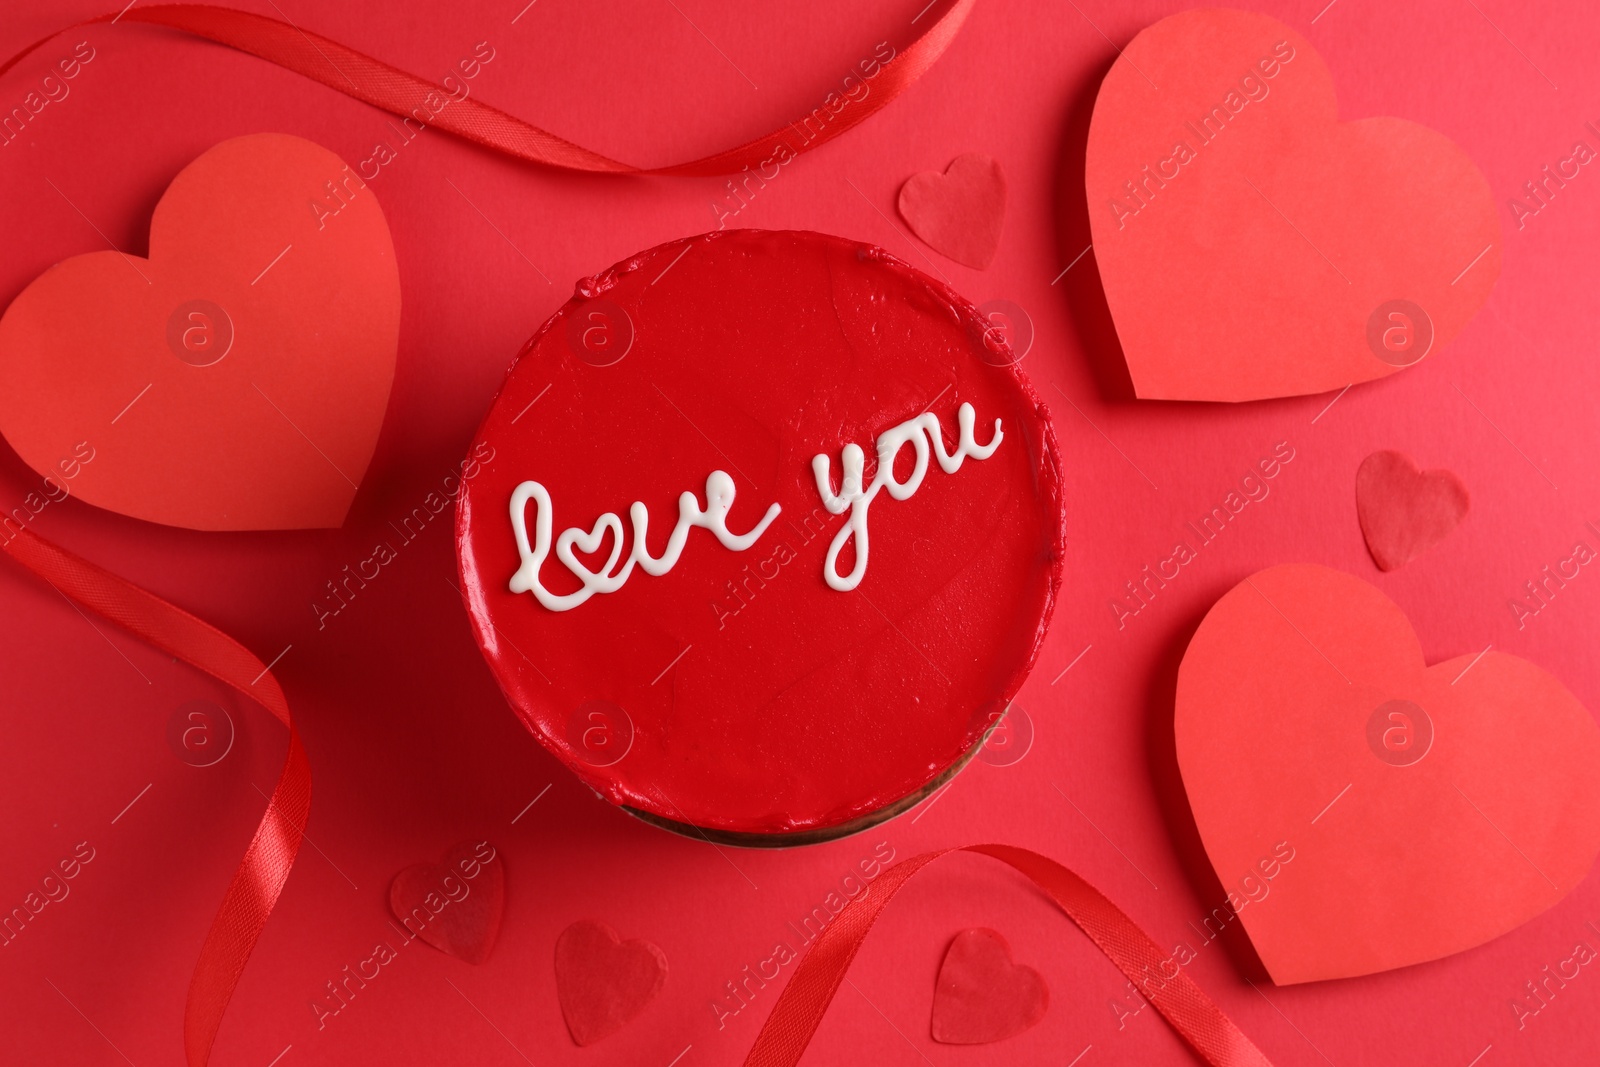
(1405,511)
(1276,251)
(958,213)
(454,905)
(982,995)
(1366,811)
(236,379)
(602,981)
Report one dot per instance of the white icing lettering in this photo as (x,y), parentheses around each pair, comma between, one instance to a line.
(917,432)
(608,579)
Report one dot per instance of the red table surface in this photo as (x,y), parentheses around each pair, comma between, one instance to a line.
(413,748)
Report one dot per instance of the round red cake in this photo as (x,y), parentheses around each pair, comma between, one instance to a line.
(765,536)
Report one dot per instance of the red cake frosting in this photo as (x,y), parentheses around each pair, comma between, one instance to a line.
(803,641)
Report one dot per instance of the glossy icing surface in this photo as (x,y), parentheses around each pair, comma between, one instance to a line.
(737,688)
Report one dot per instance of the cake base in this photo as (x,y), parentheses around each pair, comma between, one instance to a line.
(799,838)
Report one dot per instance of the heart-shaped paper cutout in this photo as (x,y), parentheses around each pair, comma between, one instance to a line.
(1252,245)
(1366,811)
(454,905)
(983,995)
(1405,511)
(602,981)
(958,213)
(237,378)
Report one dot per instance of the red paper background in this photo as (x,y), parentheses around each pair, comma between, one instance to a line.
(411,744)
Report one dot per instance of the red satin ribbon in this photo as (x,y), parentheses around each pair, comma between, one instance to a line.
(376,82)
(803,1002)
(259,880)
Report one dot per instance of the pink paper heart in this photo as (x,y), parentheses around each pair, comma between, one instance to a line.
(603,982)
(1365,810)
(1251,243)
(1405,511)
(983,995)
(958,213)
(455,904)
(246,362)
